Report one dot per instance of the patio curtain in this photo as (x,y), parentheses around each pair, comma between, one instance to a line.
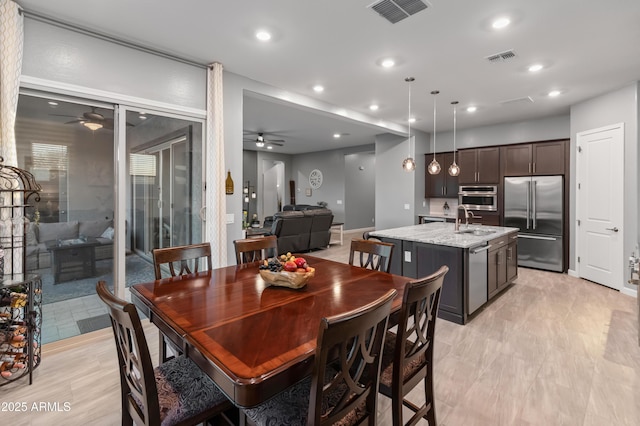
(11,40)
(216,228)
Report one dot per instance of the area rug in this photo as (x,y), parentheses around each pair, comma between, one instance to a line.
(138,270)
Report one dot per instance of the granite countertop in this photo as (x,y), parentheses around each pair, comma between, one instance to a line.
(442,233)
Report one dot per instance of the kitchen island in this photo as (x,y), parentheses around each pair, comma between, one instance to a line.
(482,261)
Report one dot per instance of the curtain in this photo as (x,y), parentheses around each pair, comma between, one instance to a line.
(11,39)
(216,228)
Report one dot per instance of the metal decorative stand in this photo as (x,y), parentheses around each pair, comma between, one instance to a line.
(20,293)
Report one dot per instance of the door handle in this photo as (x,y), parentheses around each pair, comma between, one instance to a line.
(614,229)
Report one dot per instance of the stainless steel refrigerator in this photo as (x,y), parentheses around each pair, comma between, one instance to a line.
(534,204)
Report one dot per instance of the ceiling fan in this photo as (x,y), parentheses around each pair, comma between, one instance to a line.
(92,120)
(261,141)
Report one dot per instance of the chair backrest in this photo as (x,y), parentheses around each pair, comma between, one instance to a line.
(347,363)
(254,249)
(137,382)
(416,327)
(373,254)
(189,257)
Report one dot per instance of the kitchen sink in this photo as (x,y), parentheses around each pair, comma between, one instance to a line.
(478,232)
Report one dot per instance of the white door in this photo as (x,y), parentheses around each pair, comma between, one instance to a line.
(599,201)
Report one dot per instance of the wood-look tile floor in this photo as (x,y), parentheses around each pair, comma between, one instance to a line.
(550,350)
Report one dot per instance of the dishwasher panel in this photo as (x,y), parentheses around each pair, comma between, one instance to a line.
(477,278)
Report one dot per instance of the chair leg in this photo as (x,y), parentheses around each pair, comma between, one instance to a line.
(429,400)
(396,408)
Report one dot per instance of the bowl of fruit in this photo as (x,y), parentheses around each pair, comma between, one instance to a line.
(286,271)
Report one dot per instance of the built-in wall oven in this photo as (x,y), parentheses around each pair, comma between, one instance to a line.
(479,197)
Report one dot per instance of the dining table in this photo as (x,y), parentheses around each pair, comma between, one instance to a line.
(252,338)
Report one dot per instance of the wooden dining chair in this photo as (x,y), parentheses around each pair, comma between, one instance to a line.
(342,387)
(188,257)
(254,249)
(408,355)
(175,393)
(372,254)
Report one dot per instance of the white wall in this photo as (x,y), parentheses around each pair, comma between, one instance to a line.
(67,57)
(620,106)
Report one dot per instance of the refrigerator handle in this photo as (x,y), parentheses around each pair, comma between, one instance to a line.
(528,202)
(534,212)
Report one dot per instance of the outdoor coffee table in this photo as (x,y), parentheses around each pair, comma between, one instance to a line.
(75,257)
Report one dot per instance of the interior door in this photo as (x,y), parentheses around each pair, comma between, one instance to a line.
(600,169)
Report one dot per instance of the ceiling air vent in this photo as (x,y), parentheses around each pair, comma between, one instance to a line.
(396,10)
(502,56)
(517,101)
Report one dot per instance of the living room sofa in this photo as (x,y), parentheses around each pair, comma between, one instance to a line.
(300,231)
(37,234)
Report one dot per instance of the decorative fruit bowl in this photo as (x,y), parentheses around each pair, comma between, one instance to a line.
(287,271)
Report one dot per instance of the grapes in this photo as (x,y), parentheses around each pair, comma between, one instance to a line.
(272,264)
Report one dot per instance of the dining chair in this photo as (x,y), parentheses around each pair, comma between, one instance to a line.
(342,387)
(189,257)
(408,355)
(253,249)
(175,393)
(372,254)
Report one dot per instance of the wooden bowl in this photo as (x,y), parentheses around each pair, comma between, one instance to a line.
(287,279)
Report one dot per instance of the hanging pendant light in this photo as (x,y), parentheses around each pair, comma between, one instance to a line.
(454,169)
(434,166)
(409,163)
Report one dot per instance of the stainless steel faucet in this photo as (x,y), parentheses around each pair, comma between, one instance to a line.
(467,213)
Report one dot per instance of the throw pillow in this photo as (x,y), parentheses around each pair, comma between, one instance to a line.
(108,233)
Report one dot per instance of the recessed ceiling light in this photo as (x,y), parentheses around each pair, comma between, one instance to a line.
(554,93)
(501,23)
(318,88)
(472,109)
(373,107)
(412,120)
(52,103)
(269,147)
(535,67)
(142,117)
(337,135)
(263,35)
(388,63)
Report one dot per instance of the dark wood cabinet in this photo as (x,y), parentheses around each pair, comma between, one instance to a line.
(536,159)
(479,165)
(485,218)
(512,257)
(498,264)
(441,185)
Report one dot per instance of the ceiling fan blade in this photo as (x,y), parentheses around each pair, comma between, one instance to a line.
(66,115)
(276,140)
(80,120)
(274,143)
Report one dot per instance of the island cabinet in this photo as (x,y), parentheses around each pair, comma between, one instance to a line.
(442,185)
(479,165)
(534,159)
(502,263)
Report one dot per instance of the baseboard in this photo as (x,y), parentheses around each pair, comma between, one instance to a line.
(629,291)
(360,230)
(572,273)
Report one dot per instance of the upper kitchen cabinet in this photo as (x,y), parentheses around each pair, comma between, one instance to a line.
(536,159)
(479,165)
(441,185)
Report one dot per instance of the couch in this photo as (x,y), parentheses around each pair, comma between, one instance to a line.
(300,231)
(36,235)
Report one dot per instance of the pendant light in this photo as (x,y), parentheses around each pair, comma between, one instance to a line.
(409,163)
(454,169)
(434,166)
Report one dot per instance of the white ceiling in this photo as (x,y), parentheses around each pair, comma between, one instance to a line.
(588,48)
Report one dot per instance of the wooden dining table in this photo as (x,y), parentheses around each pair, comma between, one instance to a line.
(254,339)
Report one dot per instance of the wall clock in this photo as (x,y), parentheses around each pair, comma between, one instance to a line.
(315,178)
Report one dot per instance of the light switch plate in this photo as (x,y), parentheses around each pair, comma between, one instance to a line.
(407,207)
(230,218)
(339,202)
(407,256)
